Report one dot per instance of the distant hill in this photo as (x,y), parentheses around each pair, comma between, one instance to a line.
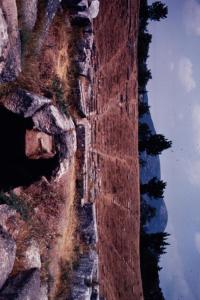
(151,169)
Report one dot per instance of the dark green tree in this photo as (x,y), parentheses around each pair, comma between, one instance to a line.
(144,131)
(157,11)
(154,144)
(157,143)
(144,41)
(154,188)
(144,75)
(147,212)
(143,108)
(152,246)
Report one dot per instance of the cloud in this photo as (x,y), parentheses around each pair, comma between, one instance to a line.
(193,171)
(192,166)
(185,74)
(172,276)
(197,241)
(192,17)
(171,66)
(196,126)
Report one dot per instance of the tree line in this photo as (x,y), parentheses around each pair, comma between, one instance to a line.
(152,246)
(152,143)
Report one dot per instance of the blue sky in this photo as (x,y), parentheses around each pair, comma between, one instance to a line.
(174,95)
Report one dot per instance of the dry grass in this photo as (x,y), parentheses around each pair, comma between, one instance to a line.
(64,247)
(53,222)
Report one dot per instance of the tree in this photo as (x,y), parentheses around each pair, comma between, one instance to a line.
(154,144)
(157,143)
(143,108)
(147,212)
(144,41)
(144,74)
(144,131)
(152,246)
(157,11)
(154,188)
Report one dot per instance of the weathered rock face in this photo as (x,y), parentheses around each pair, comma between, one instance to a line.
(51,126)
(28,13)
(11,64)
(7,255)
(85,285)
(32,256)
(115,149)
(26,285)
(10,220)
(4,40)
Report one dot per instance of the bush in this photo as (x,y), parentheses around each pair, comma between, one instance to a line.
(58,91)
(16,203)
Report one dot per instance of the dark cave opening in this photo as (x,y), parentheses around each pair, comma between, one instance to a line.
(16,169)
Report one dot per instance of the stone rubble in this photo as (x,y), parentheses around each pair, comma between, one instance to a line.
(85,284)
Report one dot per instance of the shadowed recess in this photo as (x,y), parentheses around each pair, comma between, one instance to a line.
(15,168)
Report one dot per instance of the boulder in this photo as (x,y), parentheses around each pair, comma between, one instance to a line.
(83,95)
(44,292)
(94,9)
(23,286)
(80,14)
(83,59)
(51,121)
(88,227)
(70,3)
(10,220)
(32,256)
(25,103)
(12,65)
(85,280)
(28,14)
(7,255)
(81,18)
(4,41)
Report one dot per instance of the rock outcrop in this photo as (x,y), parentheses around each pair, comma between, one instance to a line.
(25,285)
(28,14)
(11,60)
(4,40)
(10,220)
(7,255)
(72,101)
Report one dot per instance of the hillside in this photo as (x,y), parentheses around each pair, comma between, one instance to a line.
(69,180)
(151,169)
(114,119)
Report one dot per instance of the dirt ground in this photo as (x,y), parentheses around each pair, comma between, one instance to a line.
(114,119)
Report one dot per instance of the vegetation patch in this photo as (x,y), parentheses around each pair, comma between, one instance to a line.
(16,203)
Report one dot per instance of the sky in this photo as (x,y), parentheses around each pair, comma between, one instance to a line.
(174,97)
